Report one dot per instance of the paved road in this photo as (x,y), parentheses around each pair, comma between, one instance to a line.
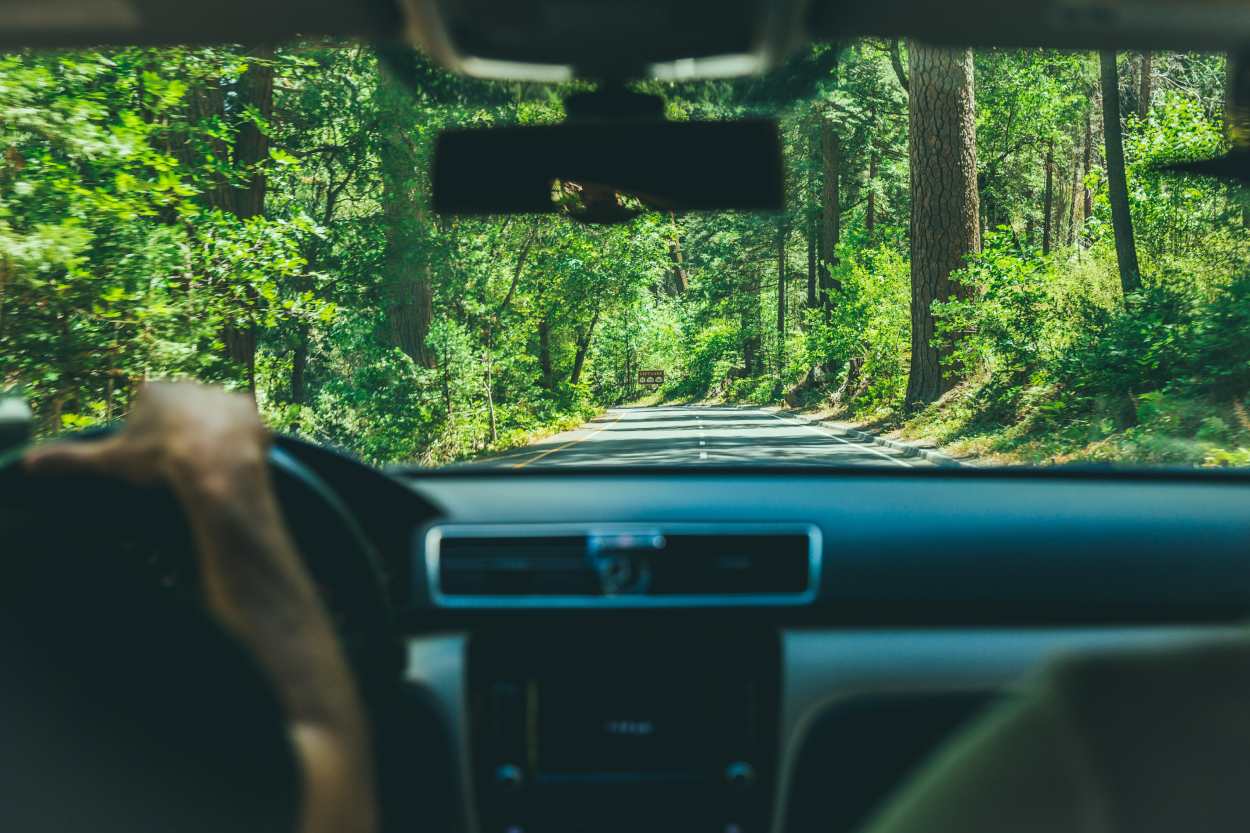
(699,436)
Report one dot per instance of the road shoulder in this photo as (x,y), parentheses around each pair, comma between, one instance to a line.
(907,449)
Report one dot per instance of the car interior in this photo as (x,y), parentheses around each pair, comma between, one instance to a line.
(729,650)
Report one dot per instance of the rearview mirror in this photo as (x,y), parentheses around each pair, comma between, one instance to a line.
(609,171)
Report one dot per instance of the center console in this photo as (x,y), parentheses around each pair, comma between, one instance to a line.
(624,730)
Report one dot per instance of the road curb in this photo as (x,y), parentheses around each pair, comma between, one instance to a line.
(907,449)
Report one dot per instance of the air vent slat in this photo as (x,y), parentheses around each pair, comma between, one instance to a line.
(515,566)
(680,564)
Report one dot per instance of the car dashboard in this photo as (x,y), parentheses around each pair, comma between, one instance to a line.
(747,650)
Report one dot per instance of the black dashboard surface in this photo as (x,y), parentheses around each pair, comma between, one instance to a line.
(917,546)
(939,591)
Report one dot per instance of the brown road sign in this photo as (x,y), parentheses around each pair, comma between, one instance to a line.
(651,378)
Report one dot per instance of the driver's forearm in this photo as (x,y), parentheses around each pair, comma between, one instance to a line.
(258,588)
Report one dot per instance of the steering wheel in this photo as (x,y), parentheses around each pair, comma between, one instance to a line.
(335,551)
(104,537)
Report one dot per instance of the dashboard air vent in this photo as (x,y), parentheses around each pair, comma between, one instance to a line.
(510,566)
(675,565)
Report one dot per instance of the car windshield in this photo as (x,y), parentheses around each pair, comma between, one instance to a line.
(981,260)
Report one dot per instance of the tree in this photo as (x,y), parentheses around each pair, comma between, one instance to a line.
(1117,179)
(945,225)
(1048,198)
(251,153)
(1087,202)
(830,205)
(782,234)
(410,305)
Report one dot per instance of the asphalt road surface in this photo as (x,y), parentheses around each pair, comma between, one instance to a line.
(695,435)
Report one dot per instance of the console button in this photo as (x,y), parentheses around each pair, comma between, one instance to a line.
(740,776)
(509,779)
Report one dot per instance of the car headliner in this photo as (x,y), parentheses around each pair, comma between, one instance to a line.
(549,39)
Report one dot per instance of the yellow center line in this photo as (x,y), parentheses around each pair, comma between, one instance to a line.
(566,445)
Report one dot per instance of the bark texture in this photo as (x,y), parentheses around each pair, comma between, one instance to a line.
(1088,206)
(830,205)
(1117,180)
(1237,117)
(1076,196)
(896,61)
(299,361)
(252,145)
(811,268)
(583,346)
(1143,99)
(520,267)
(781,296)
(410,301)
(1236,101)
(870,212)
(945,223)
(678,280)
(1048,200)
(206,104)
(750,324)
(544,353)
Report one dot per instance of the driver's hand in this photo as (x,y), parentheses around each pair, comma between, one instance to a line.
(179,434)
(209,447)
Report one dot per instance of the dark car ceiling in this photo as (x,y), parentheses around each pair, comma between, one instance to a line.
(625,37)
(1216,25)
(52,23)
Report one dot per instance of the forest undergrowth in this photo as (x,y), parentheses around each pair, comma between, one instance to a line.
(260,218)
(1061,371)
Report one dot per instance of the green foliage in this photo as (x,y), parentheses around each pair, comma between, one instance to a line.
(124,256)
(870,320)
(112,266)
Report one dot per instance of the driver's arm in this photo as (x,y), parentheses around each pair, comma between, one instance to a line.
(210,448)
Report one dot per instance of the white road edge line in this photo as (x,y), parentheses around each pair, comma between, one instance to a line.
(833,436)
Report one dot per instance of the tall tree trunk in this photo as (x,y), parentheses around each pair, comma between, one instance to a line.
(583,347)
(6,277)
(251,148)
(490,397)
(205,104)
(945,221)
(1076,195)
(896,61)
(811,267)
(781,298)
(299,363)
(678,280)
(1028,218)
(410,298)
(1089,165)
(1117,180)
(240,344)
(1143,100)
(870,212)
(1237,120)
(1048,199)
(750,325)
(544,353)
(520,267)
(830,205)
